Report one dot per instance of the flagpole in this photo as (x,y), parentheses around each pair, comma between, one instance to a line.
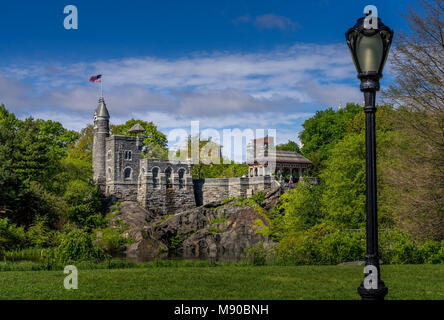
(101,86)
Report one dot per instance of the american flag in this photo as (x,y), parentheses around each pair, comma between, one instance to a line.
(97,78)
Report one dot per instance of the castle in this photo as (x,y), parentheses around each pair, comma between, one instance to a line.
(159,185)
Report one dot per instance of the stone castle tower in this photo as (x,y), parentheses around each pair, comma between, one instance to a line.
(101,133)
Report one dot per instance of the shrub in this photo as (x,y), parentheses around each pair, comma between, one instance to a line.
(214,230)
(256,255)
(175,241)
(219,220)
(321,244)
(397,247)
(11,236)
(228,200)
(258,197)
(111,240)
(78,245)
(40,236)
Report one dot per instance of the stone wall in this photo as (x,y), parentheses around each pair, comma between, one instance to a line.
(165,187)
(213,190)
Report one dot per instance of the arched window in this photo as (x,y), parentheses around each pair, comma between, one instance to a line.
(109,174)
(168,177)
(181,174)
(155,172)
(127,173)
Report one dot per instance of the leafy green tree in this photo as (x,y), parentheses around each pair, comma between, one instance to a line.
(155,142)
(289,146)
(301,208)
(82,147)
(83,203)
(56,136)
(323,130)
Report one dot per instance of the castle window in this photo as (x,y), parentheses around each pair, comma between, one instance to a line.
(109,154)
(127,173)
(127,155)
(181,174)
(155,173)
(168,177)
(109,174)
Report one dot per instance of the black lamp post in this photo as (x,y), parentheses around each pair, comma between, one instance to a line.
(369,47)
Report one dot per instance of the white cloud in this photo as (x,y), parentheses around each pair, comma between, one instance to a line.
(272,21)
(265,89)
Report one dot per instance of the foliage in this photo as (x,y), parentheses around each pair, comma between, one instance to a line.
(11,236)
(214,230)
(289,146)
(228,200)
(111,239)
(219,220)
(323,130)
(414,175)
(175,241)
(155,142)
(81,149)
(321,244)
(301,209)
(77,245)
(84,205)
(256,255)
(258,197)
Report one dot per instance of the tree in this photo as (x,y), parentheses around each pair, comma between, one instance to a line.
(323,130)
(415,172)
(155,142)
(82,147)
(289,146)
(344,175)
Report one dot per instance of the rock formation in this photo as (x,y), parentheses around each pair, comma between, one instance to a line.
(217,230)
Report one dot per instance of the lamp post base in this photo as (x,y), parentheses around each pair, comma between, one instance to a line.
(373,294)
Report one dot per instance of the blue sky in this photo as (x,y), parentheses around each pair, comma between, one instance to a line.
(229,64)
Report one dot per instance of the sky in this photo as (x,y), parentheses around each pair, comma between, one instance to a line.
(228,64)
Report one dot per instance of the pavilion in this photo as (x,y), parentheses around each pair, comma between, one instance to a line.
(265,160)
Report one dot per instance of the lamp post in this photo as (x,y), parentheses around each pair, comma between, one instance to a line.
(369,45)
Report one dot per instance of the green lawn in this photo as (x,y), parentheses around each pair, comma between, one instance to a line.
(268,282)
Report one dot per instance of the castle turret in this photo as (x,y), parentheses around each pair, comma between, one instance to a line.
(101,132)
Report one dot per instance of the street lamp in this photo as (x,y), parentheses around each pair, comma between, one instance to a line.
(369,45)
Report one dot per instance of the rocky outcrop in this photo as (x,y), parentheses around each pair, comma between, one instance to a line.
(213,231)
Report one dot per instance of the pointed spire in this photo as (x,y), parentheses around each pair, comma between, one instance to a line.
(101,110)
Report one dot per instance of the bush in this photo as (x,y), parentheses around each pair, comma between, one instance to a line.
(256,255)
(111,240)
(325,244)
(258,197)
(321,244)
(84,203)
(78,245)
(40,236)
(11,236)
(397,247)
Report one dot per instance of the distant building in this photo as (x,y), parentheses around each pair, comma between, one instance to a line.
(264,159)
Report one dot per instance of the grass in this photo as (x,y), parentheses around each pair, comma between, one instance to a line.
(223,282)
